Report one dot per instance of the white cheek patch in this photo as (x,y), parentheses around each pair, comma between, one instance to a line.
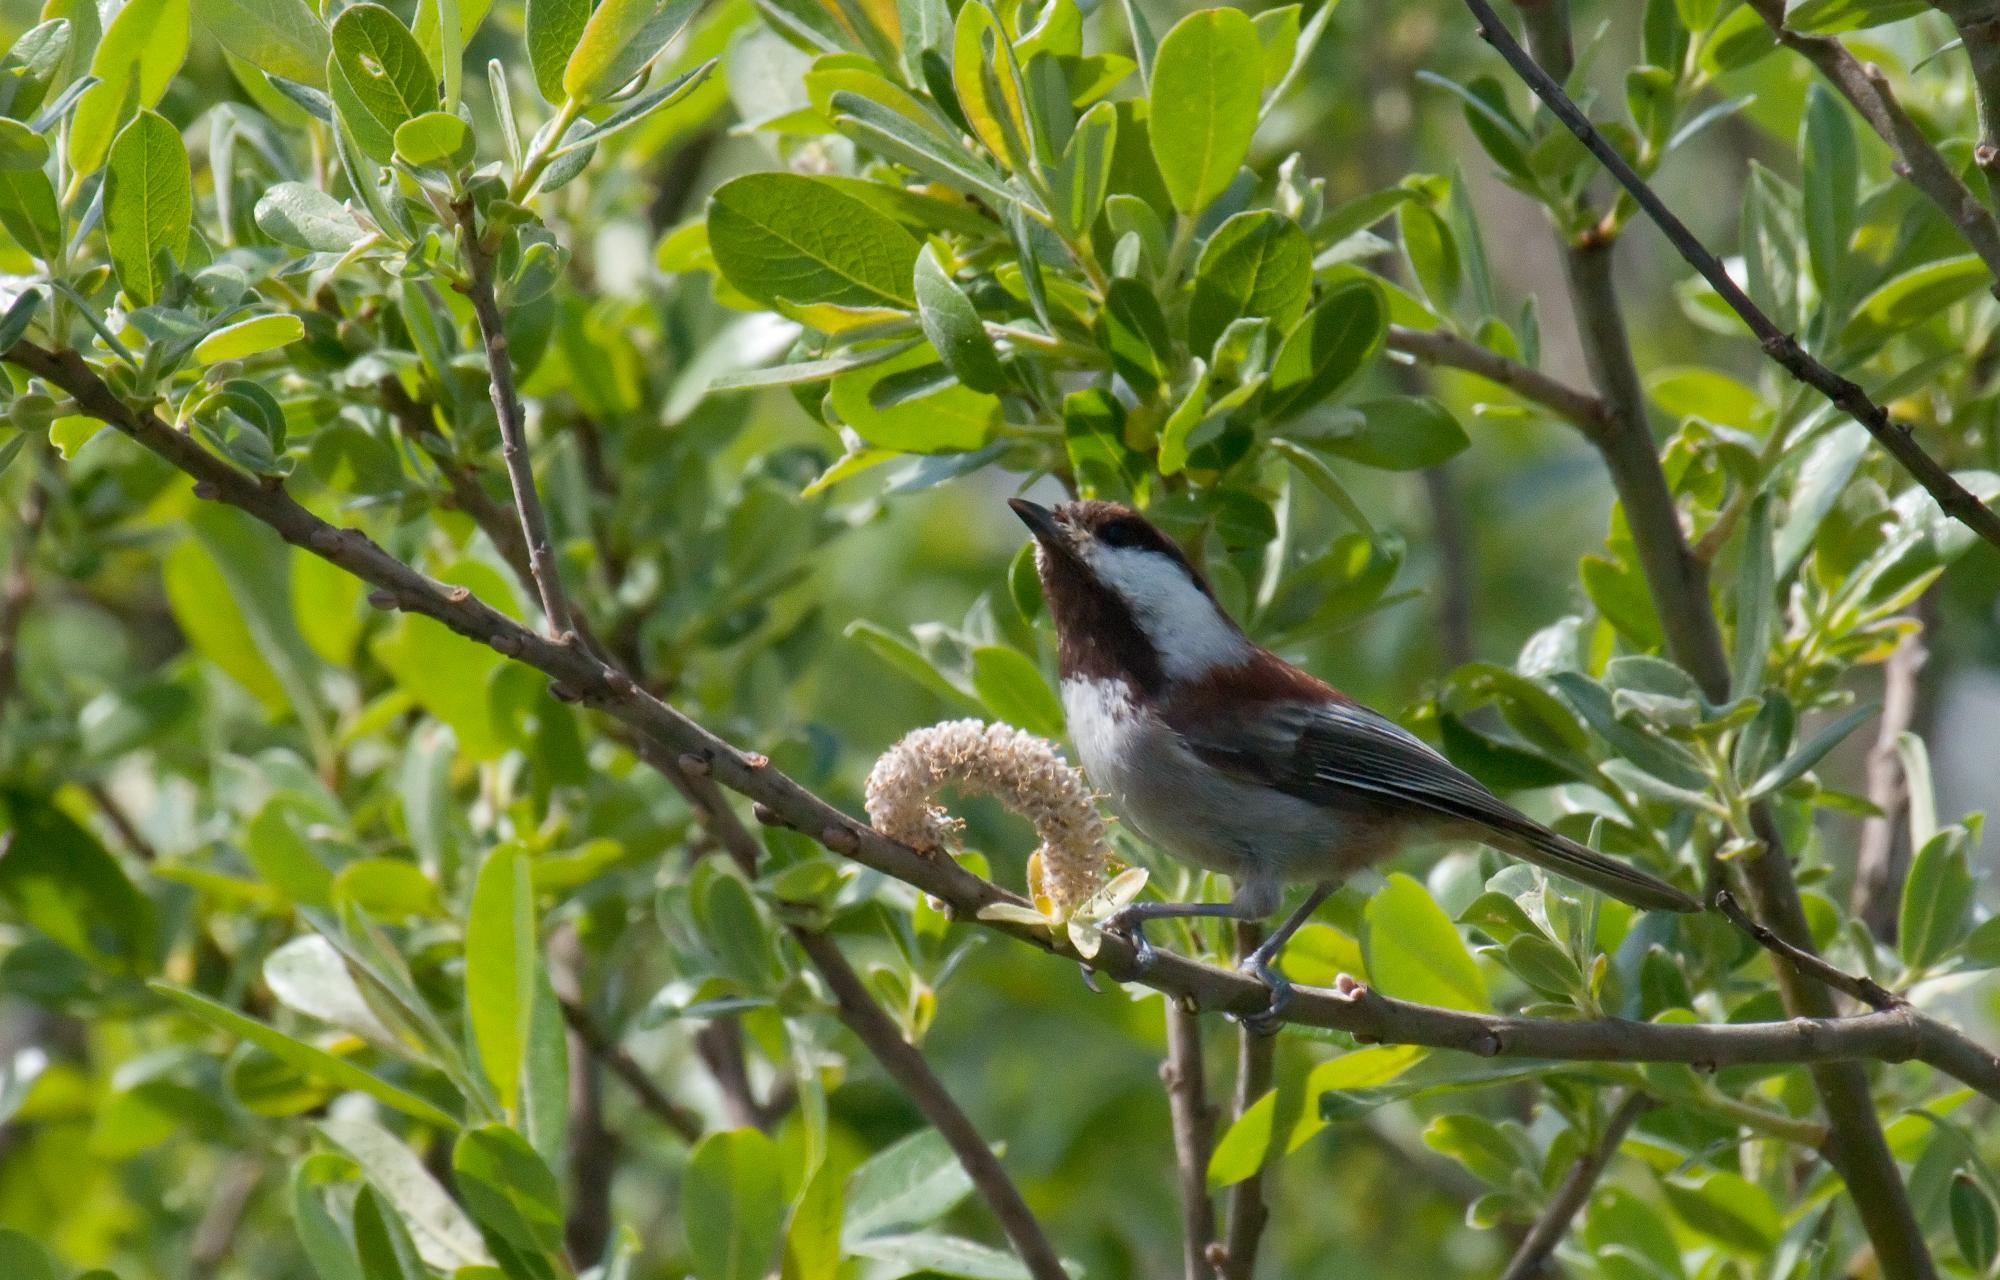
(1191,635)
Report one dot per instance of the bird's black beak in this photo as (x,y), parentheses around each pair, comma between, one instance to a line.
(1041,522)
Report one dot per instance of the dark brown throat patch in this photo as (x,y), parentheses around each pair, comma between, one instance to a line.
(1097,638)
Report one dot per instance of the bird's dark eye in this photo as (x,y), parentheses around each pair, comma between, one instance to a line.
(1119,533)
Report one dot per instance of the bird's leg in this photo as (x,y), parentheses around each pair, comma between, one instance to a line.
(1262,963)
(1255,899)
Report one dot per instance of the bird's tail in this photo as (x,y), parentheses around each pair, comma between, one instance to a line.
(1543,847)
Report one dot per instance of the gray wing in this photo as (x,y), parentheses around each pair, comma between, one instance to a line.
(1341,755)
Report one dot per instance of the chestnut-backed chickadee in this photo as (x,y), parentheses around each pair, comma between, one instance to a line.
(1224,755)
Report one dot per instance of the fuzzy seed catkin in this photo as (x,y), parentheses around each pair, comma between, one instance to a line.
(1024,772)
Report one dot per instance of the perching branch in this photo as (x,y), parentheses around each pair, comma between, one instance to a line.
(1917,161)
(1586,412)
(1860,986)
(1549,1229)
(906,1066)
(1186,1082)
(1782,347)
(513,430)
(1899,1035)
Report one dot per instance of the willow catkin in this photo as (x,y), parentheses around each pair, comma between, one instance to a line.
(1024,772)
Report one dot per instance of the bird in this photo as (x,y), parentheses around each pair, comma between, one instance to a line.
(1222,754)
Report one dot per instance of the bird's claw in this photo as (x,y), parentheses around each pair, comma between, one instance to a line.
(1133,926)
(1266,1021)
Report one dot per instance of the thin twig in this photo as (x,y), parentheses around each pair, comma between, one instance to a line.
(1917,161)
(1780,346)
(906,1066)
(1860,986)
(228,1204)
(1576,1187)
(121,822)
(598,1042)
(1877,869)
(501,527)
(1898,1035)
(513,430)
(1256,1052)
(591,1146)
(1586,412)
(1194,1129)
(1978,26)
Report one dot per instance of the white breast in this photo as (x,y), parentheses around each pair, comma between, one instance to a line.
(1172,800)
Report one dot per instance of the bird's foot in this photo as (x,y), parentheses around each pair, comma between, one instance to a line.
(1132,924)
(1267,1021)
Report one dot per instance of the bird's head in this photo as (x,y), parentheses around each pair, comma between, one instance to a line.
(1127,601)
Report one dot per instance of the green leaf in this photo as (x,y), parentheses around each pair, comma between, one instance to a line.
(500,965)
(250,337)
(1396,433)
(812,1237)
(388,888)
(21,148)
(1915,296)
(931,1254)
(382,73)
(785,235)
(514,1200)
(1830,183)
(1829,17)
(952,324)
(1257,263)
(148,205)
(1810,754)
(382,1240)
(631,112)
(445,1238)
(732,1205)
(1080,181)
(1135,333)
(282,37)
(906,658)
(1204,89)
(1728,1209)
(1414,952)
(310,975)
(435,139)
(56,878)
(911,1182)
(314,1062)
(553,28)
(303,216)
(1693,391)
(1326,348)
(1544,966)
(951,419)
(1975,1226)
(140,52)
(987,82)
(282,857)
(1432,252)
(618,42)
(1937,900)
(1012,687)
(28,211)
(1755,582)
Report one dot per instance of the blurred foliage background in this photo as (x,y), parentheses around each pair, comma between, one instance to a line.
(235,790)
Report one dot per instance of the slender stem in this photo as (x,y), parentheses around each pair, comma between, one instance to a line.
(1865,87)
(906,1066)
(1576,1187)
(1978,23)
(1780,346)
(538,157)
(669,737)
(513,430)
(591,1146)
(1878,871)
(1256,1052)
(1860,986)
(1588,413)
(601,1046)
(1194,1130)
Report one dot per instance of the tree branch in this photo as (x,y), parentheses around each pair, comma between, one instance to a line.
(1549,1229)
(1678,582)
(1867,89)
(1194,1129)
(1586,412)
(513,431)
(1780,346)
(906,1066)
(1256,1051)
(1898,1035)
(1860,986)
(1978,23)
(1878,872)
(601,1046)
